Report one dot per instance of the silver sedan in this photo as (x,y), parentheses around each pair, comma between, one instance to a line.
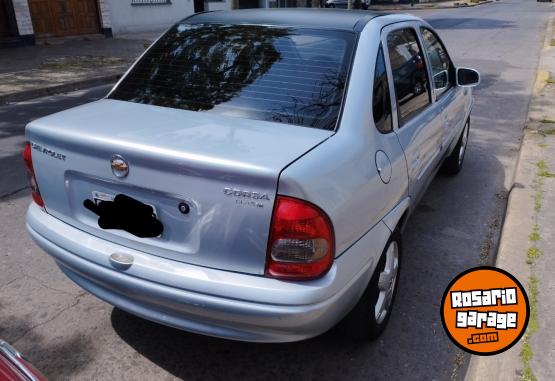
(250,176)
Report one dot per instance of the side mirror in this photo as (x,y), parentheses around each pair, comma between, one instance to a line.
(441,80)
(467,77)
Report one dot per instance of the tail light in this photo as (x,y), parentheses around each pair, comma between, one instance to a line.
(31,173)
(301,242)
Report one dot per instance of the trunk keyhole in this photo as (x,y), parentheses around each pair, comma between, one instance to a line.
(184,208)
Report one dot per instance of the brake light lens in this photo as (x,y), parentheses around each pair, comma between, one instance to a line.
(301,245)
(31,173)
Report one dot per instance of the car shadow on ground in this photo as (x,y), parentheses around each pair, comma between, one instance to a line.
(191,356)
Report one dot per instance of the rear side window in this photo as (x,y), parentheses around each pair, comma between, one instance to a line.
(280,74)
(381,103)
(409,73)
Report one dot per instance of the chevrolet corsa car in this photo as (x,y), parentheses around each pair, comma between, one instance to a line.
(251,174)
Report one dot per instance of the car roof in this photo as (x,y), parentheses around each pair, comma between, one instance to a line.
(316,18)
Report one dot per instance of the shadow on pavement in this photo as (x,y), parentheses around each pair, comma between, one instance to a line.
(63,362)
(14,118)
(190,356)
(470,23)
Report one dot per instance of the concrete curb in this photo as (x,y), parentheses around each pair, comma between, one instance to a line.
(57,89)
(519,218)
(429,8)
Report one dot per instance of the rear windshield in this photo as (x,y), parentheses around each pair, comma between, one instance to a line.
(279,74)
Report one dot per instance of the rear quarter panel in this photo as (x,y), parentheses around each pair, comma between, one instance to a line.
(340,174)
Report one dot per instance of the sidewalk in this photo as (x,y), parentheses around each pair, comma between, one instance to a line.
(65,64)
(527,247)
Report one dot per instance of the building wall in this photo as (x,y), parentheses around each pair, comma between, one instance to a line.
(105,18)
(218,5)
(127,18)
(23,17)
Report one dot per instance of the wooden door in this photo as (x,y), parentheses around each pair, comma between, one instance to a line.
(65,22)
(64,17)
(43,21)
(86,14)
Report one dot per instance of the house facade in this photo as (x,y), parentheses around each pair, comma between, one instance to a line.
(24,21)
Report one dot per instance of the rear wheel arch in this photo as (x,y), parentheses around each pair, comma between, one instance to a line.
(398,215)
(364,322)
(402,221)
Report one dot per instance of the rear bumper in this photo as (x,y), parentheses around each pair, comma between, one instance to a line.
(202,300)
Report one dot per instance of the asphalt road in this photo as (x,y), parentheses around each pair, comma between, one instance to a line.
(70,334)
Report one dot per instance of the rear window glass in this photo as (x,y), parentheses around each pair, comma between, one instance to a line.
(287,75)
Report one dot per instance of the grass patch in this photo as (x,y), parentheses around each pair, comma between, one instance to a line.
(527,373)
(548,132)
(533,323)
(532,254)
(543,170)
(535,235)
(552,43)
(527,353)
(538,196)
(546,120)
(81,62)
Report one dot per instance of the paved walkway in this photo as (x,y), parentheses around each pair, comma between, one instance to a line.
(60,65)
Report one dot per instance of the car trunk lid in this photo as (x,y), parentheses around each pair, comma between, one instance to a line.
(224,169)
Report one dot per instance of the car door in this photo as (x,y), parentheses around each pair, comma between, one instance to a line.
(417,120)
(447,95)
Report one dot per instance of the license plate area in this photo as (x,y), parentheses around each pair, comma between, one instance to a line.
(122,212)
(99,196)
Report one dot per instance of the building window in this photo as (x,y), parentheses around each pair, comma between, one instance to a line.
(150,2)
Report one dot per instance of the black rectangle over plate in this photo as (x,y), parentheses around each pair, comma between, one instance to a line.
(126,213)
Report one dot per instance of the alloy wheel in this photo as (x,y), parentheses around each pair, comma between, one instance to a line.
(387,282)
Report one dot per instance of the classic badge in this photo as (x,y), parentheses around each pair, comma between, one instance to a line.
(120,167)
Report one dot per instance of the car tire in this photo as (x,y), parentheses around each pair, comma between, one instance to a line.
(370,316)
(454,162)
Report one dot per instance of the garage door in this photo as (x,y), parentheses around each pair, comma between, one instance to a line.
(64,17)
